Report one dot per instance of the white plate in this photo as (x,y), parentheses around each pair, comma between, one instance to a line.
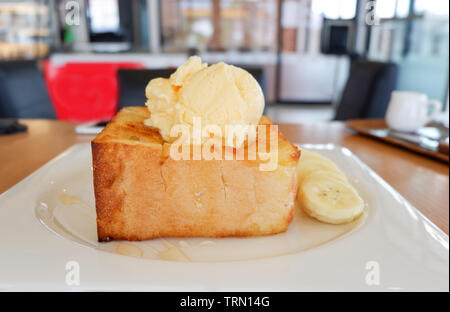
(48,220)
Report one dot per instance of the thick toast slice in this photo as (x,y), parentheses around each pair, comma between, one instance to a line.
(142,193)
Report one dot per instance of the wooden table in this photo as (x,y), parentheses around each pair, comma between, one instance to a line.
(422,181)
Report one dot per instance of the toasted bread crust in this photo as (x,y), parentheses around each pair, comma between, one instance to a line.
(142,195)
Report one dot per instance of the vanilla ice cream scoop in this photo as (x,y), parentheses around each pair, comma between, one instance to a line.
(219,94)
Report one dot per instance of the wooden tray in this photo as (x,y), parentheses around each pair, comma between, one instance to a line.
(377,129)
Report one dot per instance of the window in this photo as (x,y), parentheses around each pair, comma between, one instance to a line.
(186,24)
(104,15)
(434,7)
(334,9)
(241,25)
(385,8)
(403,8)
(418,45)
(248,25)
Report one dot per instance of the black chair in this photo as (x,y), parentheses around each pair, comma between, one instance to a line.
(23,92)
(368,90)
(132,83)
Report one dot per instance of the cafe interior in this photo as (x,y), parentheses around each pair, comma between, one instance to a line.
(305,54)
(366,82)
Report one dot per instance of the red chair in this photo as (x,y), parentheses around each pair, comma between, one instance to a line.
(83,92)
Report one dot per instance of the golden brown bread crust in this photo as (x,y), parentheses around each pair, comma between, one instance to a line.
(140,194)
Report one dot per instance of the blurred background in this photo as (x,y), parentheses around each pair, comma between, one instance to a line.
(316,60)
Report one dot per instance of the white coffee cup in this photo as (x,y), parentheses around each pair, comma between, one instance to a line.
(410,111)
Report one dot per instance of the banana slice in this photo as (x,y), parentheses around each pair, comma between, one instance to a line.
(324,191)
(311,162)
(329,199)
